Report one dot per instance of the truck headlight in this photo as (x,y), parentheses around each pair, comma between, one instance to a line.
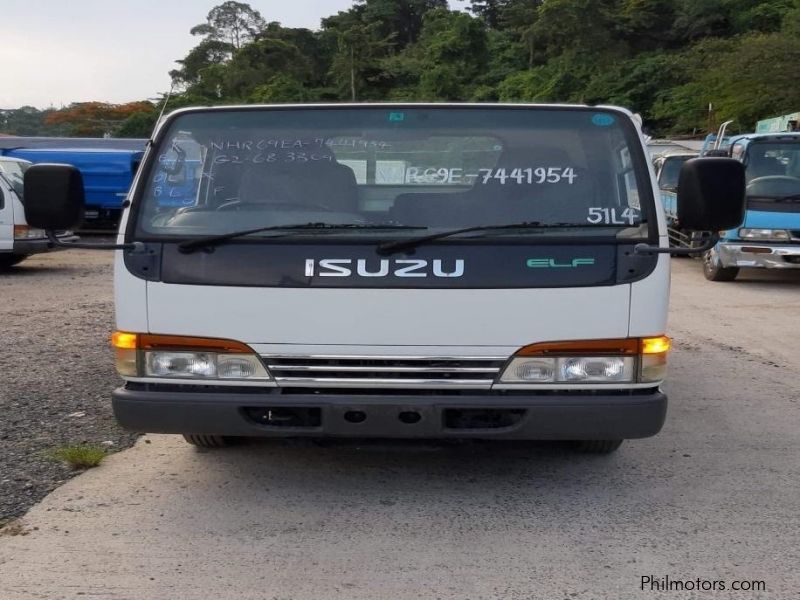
(765,234)
(180,364)
(572,369)
(23,232)
(632,360)
(166,356)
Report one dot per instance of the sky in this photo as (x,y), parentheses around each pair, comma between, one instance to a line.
(56,52)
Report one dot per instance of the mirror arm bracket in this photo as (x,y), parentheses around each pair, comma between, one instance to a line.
(709,243)
(136,247)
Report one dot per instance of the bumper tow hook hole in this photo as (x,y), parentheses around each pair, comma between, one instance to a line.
(355,416)
(409,417)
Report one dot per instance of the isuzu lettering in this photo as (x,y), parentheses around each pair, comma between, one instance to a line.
(396,271)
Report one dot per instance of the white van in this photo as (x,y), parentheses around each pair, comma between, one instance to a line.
(410,271)
(17,239)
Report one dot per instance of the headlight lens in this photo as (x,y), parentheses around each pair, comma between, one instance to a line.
(597,369)
(203,365)
(140,355)
(764,234)
(179,364)
(532,370)
(572,369)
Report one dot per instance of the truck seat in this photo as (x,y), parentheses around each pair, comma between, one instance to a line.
(323,183)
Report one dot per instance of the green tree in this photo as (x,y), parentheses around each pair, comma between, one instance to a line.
(206,53)
(259,63)
(646,24)
(581,27)
(666,59)
(453,53)
(138,125)
(357,66)
(233,23)
(398,20)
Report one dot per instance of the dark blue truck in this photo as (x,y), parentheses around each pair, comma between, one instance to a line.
(107,165)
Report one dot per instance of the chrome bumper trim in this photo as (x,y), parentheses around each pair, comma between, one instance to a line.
(768,256)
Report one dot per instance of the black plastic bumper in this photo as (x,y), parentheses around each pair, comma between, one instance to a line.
(534,417)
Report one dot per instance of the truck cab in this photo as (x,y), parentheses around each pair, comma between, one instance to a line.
(770,235)
(395,270)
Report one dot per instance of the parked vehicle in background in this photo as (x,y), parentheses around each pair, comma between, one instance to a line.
(782,124)
(770,235)
(107,166)
(668,167)
(17,239)
(659,147)
(409,271)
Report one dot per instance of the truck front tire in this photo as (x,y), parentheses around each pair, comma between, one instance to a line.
(206,441)
(713,269)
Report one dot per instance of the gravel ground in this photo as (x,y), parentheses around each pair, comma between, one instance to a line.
(715,496)
(50,397)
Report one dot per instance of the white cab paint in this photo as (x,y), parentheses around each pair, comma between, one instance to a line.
(389,317)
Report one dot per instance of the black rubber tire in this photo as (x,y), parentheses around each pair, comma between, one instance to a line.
(598,446)
(714,272)
(205,441)
(9,260)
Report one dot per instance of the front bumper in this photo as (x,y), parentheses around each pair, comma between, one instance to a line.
(39,245)
(551,416)
(759,255)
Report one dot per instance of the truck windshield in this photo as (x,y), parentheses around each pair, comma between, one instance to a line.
(218,172)
(670,172)
(773,175)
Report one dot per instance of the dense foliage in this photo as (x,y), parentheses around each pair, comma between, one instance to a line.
(685,65)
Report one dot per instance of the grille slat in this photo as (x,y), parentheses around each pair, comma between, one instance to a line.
(413,372)
(358,369)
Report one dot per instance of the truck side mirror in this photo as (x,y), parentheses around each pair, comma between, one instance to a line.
(711,197)
(711,194)
(53,197)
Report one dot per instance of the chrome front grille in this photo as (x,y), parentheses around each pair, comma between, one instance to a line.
(420,372)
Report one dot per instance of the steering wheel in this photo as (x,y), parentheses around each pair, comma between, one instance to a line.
(245,205)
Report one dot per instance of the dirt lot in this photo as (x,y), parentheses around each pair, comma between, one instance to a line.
(56,313)
(715,496)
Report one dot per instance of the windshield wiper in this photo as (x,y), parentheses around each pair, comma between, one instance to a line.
(215,240)
(400,245)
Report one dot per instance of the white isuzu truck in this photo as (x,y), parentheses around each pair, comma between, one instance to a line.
(395,270)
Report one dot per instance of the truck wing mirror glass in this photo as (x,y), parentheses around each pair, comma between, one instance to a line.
(711,194)
(711,197)
(54,197)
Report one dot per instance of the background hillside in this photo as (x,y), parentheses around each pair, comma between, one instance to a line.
(685,65)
